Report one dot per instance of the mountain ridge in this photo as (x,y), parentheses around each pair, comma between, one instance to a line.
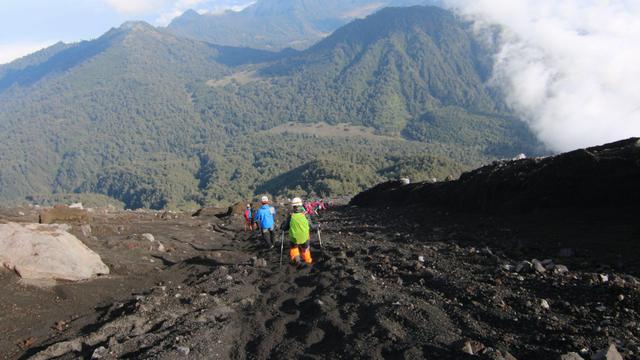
(155,120)
(278,24)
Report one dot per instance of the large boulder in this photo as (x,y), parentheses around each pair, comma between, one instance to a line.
(47,252)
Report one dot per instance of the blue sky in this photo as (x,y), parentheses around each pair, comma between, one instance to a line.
(29,25)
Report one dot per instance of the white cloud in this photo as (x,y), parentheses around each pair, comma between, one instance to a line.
(214,7)
(569,67)
(10,52)
(136,6)
(221,9)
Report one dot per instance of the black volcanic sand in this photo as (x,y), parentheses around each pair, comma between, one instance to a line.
(368,297)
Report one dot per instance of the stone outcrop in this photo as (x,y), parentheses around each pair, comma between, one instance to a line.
(47,252)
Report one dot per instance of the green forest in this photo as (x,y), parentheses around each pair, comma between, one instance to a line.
(146,119)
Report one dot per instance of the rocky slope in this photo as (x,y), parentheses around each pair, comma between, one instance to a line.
(598,177)
(408,282)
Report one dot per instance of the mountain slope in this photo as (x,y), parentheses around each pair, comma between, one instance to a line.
(98,103)
(278,24)
(155,120)
(411,71)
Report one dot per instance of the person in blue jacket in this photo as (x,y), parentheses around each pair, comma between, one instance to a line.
(265,218)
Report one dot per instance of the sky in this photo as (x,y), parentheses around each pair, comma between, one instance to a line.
(30,25)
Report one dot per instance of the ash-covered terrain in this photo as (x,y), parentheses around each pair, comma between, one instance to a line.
(528,259)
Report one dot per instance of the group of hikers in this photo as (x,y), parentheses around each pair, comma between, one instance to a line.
(298,224)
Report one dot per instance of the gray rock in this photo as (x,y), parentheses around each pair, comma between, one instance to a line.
(183,350)
(607,354)
(47,252)
(467,349)
(507,267)
(99,353)
(538,267)
(544,304)
(472,347)
(560,269)
(259,263)
(524,266)
(571,356)
(149,237)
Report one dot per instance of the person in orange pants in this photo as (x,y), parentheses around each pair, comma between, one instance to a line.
(298,225)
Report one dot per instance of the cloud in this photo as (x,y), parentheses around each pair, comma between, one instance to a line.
(214,7)
(136,6)
(221,9)
(570,67)
(11,52)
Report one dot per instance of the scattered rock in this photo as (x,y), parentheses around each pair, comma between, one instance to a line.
(538,267)
(524,266)
(571,356)
(149,237)
(421,258)
(259,263)
(183,350)
(560,269)
(544,304)
(608,354)
(472,347)
(60,325)
(99,353)
(603,278)
(27,343)
(86,230)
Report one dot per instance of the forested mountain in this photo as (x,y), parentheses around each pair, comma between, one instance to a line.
(278,24)
(155,120)
(411,71)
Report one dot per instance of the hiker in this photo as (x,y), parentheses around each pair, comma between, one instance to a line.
(308,208)
(298,225)
(248,218)
(265,220)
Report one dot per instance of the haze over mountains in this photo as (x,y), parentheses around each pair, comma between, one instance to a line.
(153,119)
(278,24)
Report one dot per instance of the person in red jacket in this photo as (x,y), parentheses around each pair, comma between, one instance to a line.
(248,218)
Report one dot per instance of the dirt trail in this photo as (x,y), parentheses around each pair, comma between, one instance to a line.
(390,285)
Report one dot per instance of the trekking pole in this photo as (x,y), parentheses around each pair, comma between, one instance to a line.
(281,247)
(320,241)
